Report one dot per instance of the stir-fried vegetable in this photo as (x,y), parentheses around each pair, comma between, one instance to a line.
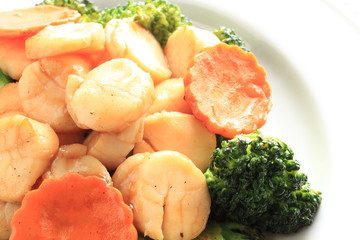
(73,207)
(256,181)
(227,90)
(133,98)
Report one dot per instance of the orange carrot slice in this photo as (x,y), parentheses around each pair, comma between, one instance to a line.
(73,207)
(227,90)
(28,21)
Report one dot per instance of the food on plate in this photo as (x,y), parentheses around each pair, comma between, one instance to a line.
(7,210)
(66,38)
(12,105)
(183,44)
(113,148)
(179,132)
(255,180)
(29,21)
(110,97)
(169,96)
(130,123)
(236,85)
(128,39)
(160,17)
(229,36)
(168,193)
(74,158)
(42,86)
(72,137)
(26,150)
(73,207)
(13,59)
(89,12)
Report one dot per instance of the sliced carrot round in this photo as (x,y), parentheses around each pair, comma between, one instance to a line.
(29,21)
(227,90)
(73,207)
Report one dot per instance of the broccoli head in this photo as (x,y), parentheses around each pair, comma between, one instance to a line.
(229,231)
(299,210)
(229,36)
(256,181)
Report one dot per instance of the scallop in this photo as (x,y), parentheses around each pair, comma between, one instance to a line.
(169,96)
(125,38)
(27,148)
(42,90)
(167,192)
(12,105)
(66,38)
(184,44)
(179,132)
(110,97)
(74,158)
(112,149)
(13,60)
(7,210)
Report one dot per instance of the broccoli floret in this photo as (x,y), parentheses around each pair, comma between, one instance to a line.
(229,36)
(89,12)
(4,78)
(160,17)
(256,181)
(229,231)
(299,209)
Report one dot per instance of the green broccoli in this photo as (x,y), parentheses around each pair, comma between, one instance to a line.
(299,209)
(160,17)
(4,78)
(229,231)
(229,36)
(89,12)
(256,181)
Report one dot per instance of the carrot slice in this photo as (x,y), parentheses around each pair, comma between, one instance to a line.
(73,207)
(29,21)
(227,90)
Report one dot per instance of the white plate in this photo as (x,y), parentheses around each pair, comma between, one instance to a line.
(311,54)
